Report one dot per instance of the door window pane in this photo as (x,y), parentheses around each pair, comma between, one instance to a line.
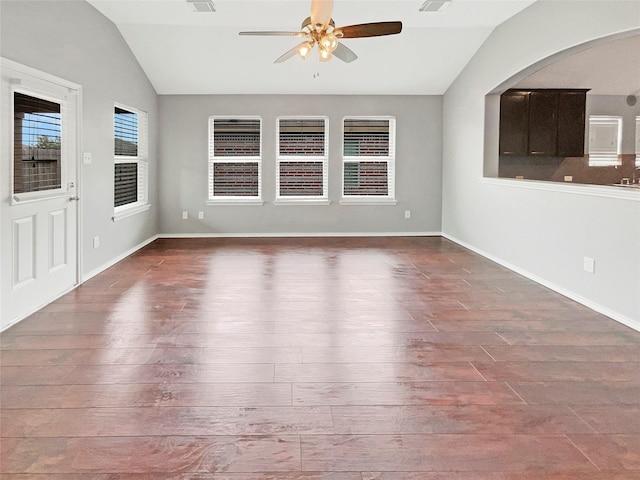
(37,129)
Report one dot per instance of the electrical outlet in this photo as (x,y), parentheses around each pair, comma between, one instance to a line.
(200,215)
(407,214)
(185,215)
(568,178)
(589,265)
(96,242)
(86,158)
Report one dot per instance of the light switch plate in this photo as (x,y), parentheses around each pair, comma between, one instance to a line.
(589,265)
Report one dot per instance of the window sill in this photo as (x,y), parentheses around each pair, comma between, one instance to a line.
(368,201)
(128,212)
(28,197)
(234,202)
(302,201)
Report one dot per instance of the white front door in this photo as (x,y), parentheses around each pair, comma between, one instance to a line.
(39,210)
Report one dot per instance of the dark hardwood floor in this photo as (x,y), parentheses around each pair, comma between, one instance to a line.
(310,359)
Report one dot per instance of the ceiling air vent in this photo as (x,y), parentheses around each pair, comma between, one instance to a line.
(205,6)
(434,5)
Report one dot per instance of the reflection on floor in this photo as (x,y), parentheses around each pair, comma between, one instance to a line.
(340,359)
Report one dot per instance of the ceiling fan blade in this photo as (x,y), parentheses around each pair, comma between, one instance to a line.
(287,55)
(371,29)
(345,53)
(321,11)
(273,34)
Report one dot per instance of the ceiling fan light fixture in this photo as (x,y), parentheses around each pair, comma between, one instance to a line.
(320,29)
(325,54)
(303,49)
(329,42)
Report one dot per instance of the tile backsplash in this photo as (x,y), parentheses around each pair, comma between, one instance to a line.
(555,169)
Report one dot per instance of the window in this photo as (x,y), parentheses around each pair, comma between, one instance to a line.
(368,158)
(37,130)
(235,159)
(302,159)
(131,161)
(605,139)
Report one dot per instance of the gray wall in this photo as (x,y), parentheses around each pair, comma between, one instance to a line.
(543,233)
(71,40)
(183,166)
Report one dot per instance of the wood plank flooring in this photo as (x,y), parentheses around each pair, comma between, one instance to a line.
(317,359)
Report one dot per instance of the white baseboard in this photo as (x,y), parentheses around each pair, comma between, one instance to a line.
(119,258)
(300,235)
(629,322)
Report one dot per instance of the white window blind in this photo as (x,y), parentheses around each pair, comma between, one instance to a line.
(369,157)
(302,158)
(235,158)
(131,151)
(605,140)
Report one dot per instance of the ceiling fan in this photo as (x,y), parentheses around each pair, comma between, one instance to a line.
(319,29)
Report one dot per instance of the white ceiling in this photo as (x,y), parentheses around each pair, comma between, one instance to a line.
(611,68)
(184,52)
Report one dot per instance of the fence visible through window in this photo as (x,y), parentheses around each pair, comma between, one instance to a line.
(37,126)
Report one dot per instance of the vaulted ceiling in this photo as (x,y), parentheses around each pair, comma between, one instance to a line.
(609,68)
(188,52)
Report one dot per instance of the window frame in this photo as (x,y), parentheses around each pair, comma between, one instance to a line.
(141,160)
(213,159)
(67,125)
(605,158)
(390,159)
(324,159)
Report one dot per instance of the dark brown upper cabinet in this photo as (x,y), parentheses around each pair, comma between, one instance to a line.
(542,122)
(571,123)
(514,123)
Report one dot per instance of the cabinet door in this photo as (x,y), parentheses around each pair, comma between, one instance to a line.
(543,123)
(514,123)
(571,124)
